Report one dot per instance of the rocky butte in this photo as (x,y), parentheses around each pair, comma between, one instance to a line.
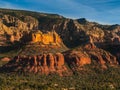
(46,38)
(41,64)
(40,43)
(51,62)
(49,43)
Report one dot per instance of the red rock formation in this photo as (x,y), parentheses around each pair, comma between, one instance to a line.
(101,56)
(59,59)
(42,64)
(90,44)
(77,58)
(60,63)
(55,63)
(50,62)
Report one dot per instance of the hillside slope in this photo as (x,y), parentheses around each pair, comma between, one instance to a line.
(72,32)
(30,35)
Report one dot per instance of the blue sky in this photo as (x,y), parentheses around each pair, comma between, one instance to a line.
(102,11)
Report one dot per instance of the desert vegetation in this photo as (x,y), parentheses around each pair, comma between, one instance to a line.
(90,79)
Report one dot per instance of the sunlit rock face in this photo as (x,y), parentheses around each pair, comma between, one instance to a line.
(50,43)
(40,64)
(15,24)
(45,38)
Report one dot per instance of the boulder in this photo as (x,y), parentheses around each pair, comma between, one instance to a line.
(6,59)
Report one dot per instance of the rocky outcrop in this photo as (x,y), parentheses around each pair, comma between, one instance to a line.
(77,59)
(39,37)
(25,23)
(90,44)
(40,43)
(41,64)
(5,59)
(101,56)
(46,38)
(4,30)
(114,49)
(72,32)
(62,64)
(15,27)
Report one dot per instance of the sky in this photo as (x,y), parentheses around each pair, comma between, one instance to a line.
(101,11)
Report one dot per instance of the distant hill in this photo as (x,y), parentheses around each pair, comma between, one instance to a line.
(79,42)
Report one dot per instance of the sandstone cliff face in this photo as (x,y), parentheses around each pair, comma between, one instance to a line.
(41,36)
(3,34)
(102,57)
(72,32)
(63,64)
(40,43)
(46,38)
(113,49)
(77,59)
(15,27)
(25,23)
(41,64)
(99,55)
(89,54)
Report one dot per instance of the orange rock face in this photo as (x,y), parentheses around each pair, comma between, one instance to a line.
(90,44)
(59,59)
(56,63)
(62,64)
(47,38)
(50,62)
(76,58)
(101,56)
(42,64)
(6,59)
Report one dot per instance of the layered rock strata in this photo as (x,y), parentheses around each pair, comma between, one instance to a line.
(41,64)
